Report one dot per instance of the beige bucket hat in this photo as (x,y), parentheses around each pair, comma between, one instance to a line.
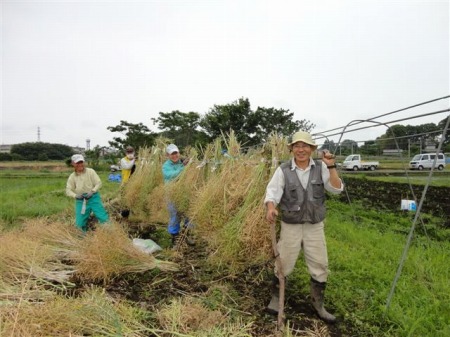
(302,136)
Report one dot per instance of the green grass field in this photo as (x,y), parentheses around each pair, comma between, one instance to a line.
(36,193)
(441,179)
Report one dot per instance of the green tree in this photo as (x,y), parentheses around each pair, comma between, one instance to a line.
(235,116)
(5,157)
(441,126)
(93,157)
(329,145)
(42,157)
(410,135)
(38,150)
(136,135)
(182,127)
(281,121)
(370,148)
(251,127)
(397,134)
(348,146)
(17,157)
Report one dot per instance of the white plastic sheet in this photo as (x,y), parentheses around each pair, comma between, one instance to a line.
(146,245)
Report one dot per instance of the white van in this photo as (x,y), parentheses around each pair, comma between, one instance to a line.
(426,160)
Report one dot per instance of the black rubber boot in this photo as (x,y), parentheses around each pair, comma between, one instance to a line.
(125,213)
(317,300)
(187,235)
(274,305)
(175,241)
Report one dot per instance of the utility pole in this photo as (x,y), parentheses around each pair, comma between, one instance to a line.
(409,147)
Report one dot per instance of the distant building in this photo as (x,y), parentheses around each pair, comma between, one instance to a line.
(5,148)
(392,152)
(78,149)
(430,146)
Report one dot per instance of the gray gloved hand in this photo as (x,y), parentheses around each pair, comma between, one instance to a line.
(79,197)
(88,195)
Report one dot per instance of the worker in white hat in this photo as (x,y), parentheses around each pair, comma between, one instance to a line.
(171,169)
(83,185)
(298,188)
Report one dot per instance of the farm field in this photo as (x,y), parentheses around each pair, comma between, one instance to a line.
(414,178)
(366,234)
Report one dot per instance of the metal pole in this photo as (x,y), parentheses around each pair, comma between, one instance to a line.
(409,148)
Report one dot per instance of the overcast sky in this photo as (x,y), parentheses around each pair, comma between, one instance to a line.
(73,68)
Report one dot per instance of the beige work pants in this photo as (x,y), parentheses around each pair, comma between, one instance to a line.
(312,238)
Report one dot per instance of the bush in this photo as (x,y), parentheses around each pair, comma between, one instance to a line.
(42,157)
(17,157)
(5,157)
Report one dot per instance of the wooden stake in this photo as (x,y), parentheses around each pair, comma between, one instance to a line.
(281,279)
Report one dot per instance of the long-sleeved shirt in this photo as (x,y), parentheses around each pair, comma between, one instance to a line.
(126,165)
(85,182)
(275,188)
(171,170)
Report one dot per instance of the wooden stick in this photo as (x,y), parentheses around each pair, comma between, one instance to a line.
(280,277)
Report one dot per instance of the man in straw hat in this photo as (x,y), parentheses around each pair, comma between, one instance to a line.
(83,185)
(298,188)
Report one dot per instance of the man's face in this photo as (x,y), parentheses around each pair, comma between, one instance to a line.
(79,167)
(302,152)
(174,156)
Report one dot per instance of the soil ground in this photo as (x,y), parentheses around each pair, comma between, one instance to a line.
(252,287)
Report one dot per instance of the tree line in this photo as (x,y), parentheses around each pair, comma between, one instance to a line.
(251,127)
(411,139)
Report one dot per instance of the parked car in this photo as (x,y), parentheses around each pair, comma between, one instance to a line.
(354,162)
(426,160)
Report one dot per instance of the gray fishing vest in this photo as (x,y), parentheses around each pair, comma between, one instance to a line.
(299,205)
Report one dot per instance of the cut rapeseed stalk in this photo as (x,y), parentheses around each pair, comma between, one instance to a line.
(23,257)
(144,180)
(108,252)
(92,314)
(236,248)
(190,317)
